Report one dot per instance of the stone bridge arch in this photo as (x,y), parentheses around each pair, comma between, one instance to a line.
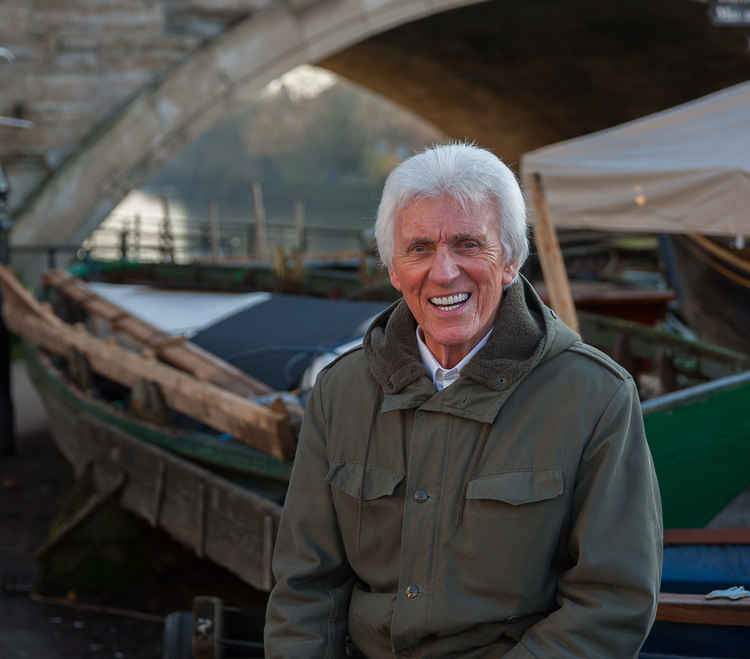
(172,112)
(511,75)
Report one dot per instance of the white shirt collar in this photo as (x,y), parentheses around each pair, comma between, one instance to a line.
(444,377)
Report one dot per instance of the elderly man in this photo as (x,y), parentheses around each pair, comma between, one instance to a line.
(474,481)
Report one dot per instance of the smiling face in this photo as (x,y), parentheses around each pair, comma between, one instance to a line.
(449,267)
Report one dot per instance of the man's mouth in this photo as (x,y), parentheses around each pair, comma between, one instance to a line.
(449,302)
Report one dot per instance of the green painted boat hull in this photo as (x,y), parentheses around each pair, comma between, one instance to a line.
(700,441)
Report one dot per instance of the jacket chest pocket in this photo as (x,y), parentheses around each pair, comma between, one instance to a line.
(517,488)
(521,508)
(526,501)
(369,506)
(365,485)
(511,529)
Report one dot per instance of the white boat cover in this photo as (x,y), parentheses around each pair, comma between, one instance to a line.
(683,170)
(177,312)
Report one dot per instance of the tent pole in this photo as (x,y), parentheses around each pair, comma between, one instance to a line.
(550,257)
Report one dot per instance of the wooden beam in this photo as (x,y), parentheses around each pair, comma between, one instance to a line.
(697,610)
(550,258)
(178,351)
(21,296)
(251,423)
(727,536)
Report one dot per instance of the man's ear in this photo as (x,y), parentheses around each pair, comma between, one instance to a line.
(510,270)
(394,279)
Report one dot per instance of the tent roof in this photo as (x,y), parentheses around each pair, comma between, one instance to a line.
(686,169)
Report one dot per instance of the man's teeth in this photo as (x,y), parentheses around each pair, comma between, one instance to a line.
(450,301)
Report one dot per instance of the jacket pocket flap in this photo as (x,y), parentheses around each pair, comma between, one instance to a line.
(378,482)
(518,487)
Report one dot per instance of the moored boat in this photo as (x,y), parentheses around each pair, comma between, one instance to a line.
(213,491)
(703,609)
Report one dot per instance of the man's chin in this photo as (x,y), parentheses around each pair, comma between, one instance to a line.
(449,340)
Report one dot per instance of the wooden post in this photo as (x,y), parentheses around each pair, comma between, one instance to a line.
(299,223)
(550,257)
(166,243)
(261,247)
(137,237)
(124,242)
(213,218)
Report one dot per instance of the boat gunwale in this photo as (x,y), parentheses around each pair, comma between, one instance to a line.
(694,394)
(274,468)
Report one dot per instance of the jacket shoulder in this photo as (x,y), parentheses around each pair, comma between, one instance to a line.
(351,359)
(347,373)
(599,358)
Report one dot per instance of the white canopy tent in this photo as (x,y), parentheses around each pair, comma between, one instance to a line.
(683,170)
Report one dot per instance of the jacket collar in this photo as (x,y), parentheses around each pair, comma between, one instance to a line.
(525,333)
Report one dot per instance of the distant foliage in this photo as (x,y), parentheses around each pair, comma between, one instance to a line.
(331,151)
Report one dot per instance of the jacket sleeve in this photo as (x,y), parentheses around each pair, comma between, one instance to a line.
(607,599)
(308,607)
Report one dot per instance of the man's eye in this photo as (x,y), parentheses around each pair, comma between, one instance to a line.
(470,244)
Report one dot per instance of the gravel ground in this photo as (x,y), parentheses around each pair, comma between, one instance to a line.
(32,483)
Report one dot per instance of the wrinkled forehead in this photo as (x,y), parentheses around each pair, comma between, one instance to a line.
(446,215)
(468,204)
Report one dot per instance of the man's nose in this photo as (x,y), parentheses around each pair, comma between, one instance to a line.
(444,266)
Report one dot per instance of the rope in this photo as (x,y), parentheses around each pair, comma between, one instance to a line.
(705,258)
(721,252)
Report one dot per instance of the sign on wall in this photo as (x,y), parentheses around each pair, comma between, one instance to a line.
(730,13)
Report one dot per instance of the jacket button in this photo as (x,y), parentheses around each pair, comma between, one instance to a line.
(412,591)
(420,496)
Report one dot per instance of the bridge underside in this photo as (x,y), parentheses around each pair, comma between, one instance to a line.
(510,76)
(515,76)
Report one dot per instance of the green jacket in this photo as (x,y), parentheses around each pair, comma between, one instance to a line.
(515,513)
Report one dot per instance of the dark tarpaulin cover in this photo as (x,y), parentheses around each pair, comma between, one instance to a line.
(276,340)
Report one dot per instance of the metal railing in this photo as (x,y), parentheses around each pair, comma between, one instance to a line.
(189,240)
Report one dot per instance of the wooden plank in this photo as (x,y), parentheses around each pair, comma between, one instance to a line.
(195,447)
(253,424)
(14,290)
(178,351)
(234,516)
(697,610)
(703,536)
(550,258)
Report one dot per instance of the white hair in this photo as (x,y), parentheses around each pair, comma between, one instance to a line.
(471,176)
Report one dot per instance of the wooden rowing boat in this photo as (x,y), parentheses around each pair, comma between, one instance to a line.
(84,373)
(171,432)
(688,624)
